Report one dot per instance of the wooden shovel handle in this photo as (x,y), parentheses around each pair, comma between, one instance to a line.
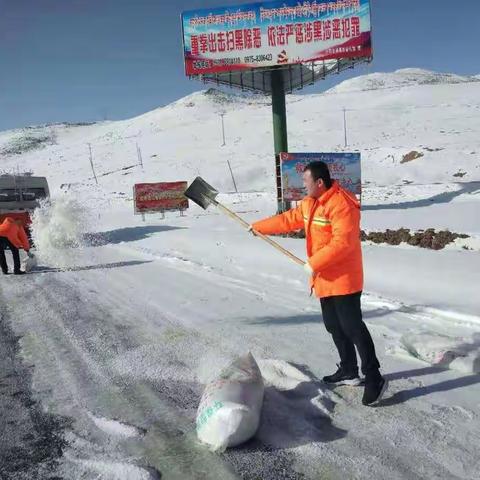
(260,235)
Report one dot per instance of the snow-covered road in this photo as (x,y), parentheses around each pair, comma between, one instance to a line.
(123,342)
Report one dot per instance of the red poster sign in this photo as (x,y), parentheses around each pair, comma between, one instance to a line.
(159,197)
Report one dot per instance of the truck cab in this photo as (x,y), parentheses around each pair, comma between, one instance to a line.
(20,195)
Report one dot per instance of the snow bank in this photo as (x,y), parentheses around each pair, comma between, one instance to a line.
(462,354)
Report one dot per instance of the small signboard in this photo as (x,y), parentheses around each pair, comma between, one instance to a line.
(344,167)
(159,197)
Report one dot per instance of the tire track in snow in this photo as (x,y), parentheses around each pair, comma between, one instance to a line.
(78,339)
(257,457)
(70,341)
(359,447)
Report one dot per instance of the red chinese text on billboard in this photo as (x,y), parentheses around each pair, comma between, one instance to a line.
(232,40)
(248,38)
(334,167)
(300,167)
(313,31)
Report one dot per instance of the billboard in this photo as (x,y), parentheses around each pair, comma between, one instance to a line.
(159,197)
(274,33)
(344,167)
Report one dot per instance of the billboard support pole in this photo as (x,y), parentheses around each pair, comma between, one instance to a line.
(279,131)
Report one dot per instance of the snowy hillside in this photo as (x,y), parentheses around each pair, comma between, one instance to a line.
(125,321)
(436,115)
(404,77)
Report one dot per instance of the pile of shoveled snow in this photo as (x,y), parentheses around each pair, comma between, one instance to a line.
(457,353)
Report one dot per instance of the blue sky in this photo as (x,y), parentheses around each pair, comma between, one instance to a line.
(86,60)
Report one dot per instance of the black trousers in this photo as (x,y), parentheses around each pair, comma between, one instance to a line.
(342,316)
(4,243)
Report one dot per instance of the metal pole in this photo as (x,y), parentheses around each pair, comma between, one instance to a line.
(345,124)
(223,130)
(91,163)
(233,178)
(279,131)
(139,155)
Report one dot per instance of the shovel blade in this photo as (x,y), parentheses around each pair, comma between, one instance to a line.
(201,193)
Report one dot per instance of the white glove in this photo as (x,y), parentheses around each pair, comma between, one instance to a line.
(308,269)
(251,230)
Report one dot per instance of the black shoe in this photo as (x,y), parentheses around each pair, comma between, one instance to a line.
(19,272)
(5,272)
(342,377)
(374,389)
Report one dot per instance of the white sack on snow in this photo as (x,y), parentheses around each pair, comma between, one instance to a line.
(230,407)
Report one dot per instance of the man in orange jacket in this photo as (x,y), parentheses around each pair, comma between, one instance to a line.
(13,236)
(330,216)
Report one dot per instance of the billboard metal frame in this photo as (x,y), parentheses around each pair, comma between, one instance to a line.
(295,77)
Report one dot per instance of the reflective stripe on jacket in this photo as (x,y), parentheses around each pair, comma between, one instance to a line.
(332,232)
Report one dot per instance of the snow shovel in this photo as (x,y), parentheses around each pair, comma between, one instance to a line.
(204,195)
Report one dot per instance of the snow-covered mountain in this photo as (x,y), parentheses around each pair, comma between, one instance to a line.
(436,115)
(401,78)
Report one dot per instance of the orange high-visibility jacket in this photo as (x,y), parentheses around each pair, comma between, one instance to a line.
(332,231)
(15,233)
